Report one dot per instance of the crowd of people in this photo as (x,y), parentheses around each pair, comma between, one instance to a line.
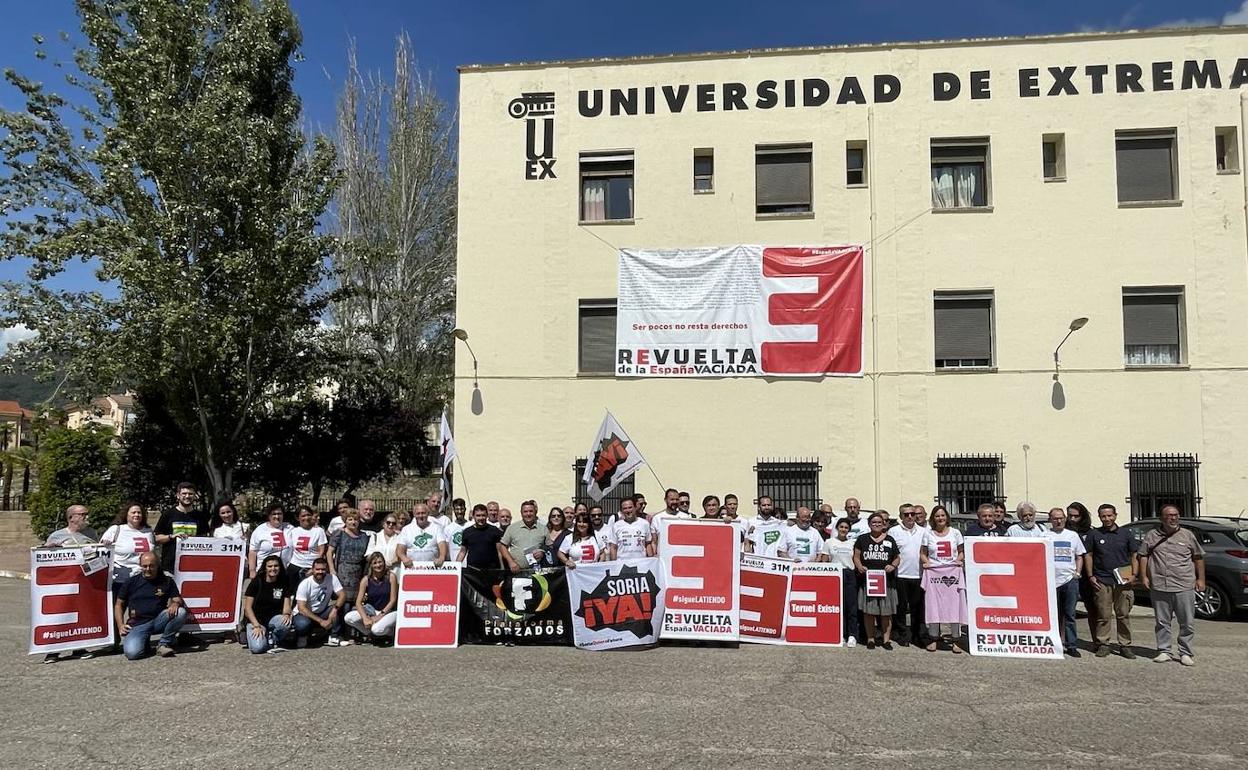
(337,584)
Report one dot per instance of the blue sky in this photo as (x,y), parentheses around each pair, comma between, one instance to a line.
(446,35)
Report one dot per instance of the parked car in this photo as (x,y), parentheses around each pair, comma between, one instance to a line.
(1225,541)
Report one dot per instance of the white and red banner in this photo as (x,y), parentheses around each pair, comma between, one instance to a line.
(740,311)
(764,598)
(428,605)
(71,598)
(612,458)
(1011,599)
(209,575)
(815,605)
(616,603)
(701,570)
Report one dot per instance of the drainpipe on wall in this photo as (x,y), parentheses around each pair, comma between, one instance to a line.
(875,348)
(1243,171)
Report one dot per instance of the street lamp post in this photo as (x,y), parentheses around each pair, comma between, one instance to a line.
(477,405)
(1075,326)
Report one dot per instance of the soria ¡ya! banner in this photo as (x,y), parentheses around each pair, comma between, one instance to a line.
(616,603)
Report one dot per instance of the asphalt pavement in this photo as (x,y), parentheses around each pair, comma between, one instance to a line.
(517,707)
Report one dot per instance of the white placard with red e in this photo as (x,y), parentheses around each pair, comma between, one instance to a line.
(428,605)
(877,584)
(701,569)
(71,598)
(209,575)
(814,606)
(764,598)
(1011,598)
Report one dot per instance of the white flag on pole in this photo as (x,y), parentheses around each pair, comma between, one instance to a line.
(612,458)
(449,452)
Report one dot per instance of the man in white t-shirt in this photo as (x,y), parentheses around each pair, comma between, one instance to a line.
(491,514)
(765,536)
(671,498)
(1068,564)
(318,604)
(454,530)
(422,539)
(629,537)
(1026,526)
(802,541)
(908,619)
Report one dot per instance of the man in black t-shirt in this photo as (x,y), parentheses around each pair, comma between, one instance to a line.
(182,520)
(480,542)
(148,603)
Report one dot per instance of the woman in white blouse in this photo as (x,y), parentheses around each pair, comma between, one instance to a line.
(130,538)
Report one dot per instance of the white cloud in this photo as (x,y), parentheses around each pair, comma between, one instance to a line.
(13,334)
(1239,16)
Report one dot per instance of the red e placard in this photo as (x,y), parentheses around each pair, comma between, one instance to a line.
(877,584)
(764,598)
(832,306)
(702,572)
(209,574)
(1011,599)
(429,606)
(815,605)
(69,609)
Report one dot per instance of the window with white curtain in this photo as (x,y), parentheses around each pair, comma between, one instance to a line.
(960,173)
(606,186)
(1152,326)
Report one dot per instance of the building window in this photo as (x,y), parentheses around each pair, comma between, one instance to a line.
(1152,326)
(704,171)
(606,186)
(597,336)
(1226,145)
(789,483)
(782,175)
(611,502)
(1147,166)
(1163,479)
(963,325)
(965,482)
(856,164)
(1053,154)
(960,173)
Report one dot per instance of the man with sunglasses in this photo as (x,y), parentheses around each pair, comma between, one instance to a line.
(909,620)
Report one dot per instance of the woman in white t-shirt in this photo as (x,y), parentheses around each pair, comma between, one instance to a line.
(271,537)
(307,544)
(839,549)
(944,604)
(130,538)
(583,545)
(226,525)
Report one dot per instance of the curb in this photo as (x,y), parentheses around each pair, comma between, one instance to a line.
(14,575)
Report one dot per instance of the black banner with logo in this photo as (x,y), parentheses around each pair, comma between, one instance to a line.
(526,607)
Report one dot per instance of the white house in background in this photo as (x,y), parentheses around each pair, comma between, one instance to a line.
(115,410)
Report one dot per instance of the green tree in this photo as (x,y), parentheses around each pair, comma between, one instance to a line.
(76,467)
(183,175)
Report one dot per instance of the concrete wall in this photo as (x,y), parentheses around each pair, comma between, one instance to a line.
(1051,251)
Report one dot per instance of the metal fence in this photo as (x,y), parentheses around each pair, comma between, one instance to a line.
(964,482)
(789,482)
(610,503)
(1155,480)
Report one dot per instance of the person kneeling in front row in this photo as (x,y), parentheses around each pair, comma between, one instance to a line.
(376,600)
(318,604)
(154,606)
(266,606)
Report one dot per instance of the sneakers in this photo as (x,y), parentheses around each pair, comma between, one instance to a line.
(333,641)
(1163,657)
(51,657)
(851,642)
(275,650)
(1102,651)
(164,652)
(302,643)
(1128,653)
(1187,660)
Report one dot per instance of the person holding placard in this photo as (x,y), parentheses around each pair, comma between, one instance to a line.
(583,545)
(629,536)
(803,542)
(1114,567)
(130,538)
(944,607)
(75,532)
(1068,565)
(765,536)
(876,556)
(422,539)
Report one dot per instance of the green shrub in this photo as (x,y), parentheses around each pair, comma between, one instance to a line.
(75,467)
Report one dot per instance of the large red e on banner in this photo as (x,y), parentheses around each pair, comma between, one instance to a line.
(1011,598)
(764,598)
(428,606)
(831,306)
(71,598)
(209,574)
(701,567)
(815,605)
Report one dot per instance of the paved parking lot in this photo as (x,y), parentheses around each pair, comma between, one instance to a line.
(674,707)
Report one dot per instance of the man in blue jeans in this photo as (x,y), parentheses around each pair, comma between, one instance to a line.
(318,604)
(148,603)
(1068,565)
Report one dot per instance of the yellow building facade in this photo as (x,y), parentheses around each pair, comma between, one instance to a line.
(1002,189)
